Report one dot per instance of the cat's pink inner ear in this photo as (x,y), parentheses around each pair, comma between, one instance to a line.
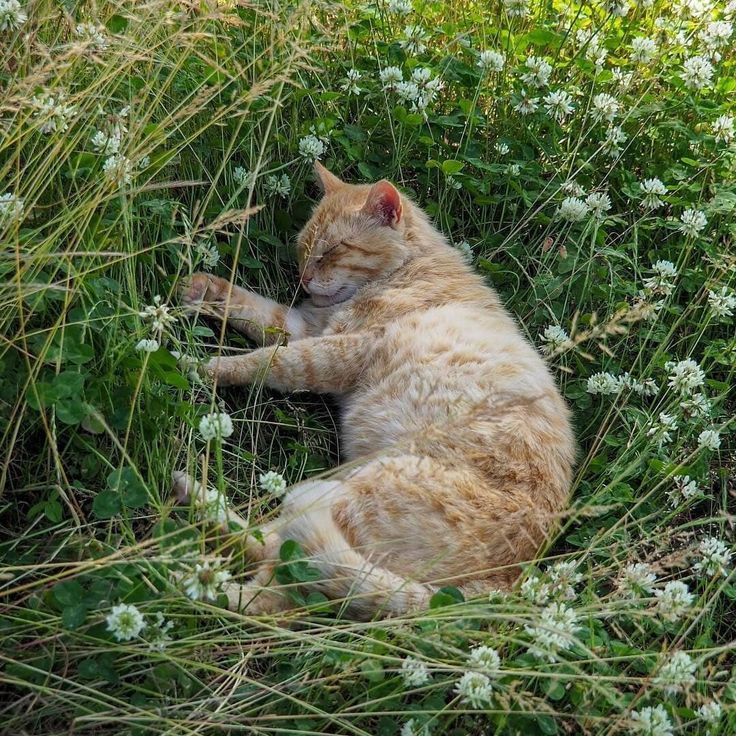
(327,179)
(384,203)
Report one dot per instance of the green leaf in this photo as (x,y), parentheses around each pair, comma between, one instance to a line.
(74,616)
(68,592)
(68,383)
(125,481)
(106,504)
(452,166)
(71,411)
(448,596)
(547,724)
(290,550)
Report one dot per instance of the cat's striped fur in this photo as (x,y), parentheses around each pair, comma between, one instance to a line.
(458,446)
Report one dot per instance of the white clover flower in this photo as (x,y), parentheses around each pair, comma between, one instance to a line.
(619,8)
(94,36)
(663,281)
(501,148)
(684,489)
(604,107)
(635,580)
(413,40)
(491,61)
(623,79)
(572,209)
(516,8)
(486,659)
(53,112)
(536,591)
(390,76)
(272,482)
(147,345)
(572,189)
(12,15)
(213,506)
(714,36)
(399,7)
(411,728)
(414,672)
(407,91)
(590,40)
(118,168)
(643,50)
(207,252)
(558,105)
(158,314)
(350,85)
(685,376)
(217,424)
(715,557)
(555,632)
(692,222)
(125,622)
(697,73)
(526,105)
(242,177)
(12,208)
(676,673)
(611,145)
(109,143)
(605,384)
(537,72)
(652,190)
(647,387)
(652,721)
(475,689)
(279,185)
(311,148)
(723,128)
(709,439)
(564,576)
(157,633)
(598,205)
(205,582)
(513,169)
(674,600)
(696,407)
(710,712)
(661,430)
(722,302)
(554,339)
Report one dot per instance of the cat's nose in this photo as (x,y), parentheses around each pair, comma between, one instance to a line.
(305,279)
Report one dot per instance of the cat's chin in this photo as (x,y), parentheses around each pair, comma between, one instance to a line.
(341,295)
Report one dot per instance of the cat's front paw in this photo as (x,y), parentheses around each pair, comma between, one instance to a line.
(199,288)
(237,370)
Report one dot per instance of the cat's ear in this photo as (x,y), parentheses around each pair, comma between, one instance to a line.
(328,180)
(384,203)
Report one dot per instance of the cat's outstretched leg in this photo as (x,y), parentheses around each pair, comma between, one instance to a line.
(328,364)
(263,546)
(262,320)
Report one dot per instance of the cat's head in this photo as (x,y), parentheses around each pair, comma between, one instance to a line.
(355,236)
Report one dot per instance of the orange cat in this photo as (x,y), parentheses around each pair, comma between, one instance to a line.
(459,446)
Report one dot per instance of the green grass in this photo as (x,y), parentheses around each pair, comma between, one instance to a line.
(91,428)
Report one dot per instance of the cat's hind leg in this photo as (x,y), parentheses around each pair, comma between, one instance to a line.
(258,547)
